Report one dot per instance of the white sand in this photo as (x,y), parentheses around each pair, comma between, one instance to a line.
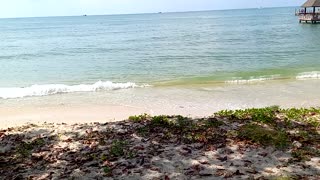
(10,117)
(196,101)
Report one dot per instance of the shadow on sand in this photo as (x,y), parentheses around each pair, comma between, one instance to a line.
(163,147)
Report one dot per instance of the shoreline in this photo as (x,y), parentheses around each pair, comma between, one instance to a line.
(195,101)
(34,115)
(43,90)
(11,118)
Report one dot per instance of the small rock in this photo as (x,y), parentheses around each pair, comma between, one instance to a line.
(198,145)
(107,163)
(228,174)
(154,142)
(219,172)
(89,131)
(44,176)
(145,140)
(117,172)
(251,170)
(263,154)
(155,169)
(2,134)
(297,144)
(5,149)
(211,148)
(222,159)
(36,156)
(18,177)
(203,162)
(268,171)
(260,178)
(221,150)
(139,147)
(190,172)
(229,151)
(141,161)
(205,172)
(187,149)
(91,163)
(238,173)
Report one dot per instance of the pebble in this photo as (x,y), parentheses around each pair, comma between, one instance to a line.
(297,144)
(205,172)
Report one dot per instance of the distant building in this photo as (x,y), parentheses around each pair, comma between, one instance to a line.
(309,12)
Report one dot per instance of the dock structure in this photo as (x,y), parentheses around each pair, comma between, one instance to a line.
(309,12)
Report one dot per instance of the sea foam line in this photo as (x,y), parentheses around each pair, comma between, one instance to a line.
(50,89)
(308,75)
(253,79)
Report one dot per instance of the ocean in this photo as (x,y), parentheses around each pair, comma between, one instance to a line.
(101,55)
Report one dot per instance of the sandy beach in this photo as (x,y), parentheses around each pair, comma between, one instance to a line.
(195,101)
(51,132)
(213,94)
(71,115)
(231,145)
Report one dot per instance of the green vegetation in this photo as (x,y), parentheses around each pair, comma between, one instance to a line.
(304,154)
(184,129)
(103,157)
(162,121)
(264,135)
(143,131)
(213,123)
(139,118)
(25,148)
(263,115)
(309,116)
(117,148)
(282,178)
(270,126)
(137,141)
(107,170)
(270,114)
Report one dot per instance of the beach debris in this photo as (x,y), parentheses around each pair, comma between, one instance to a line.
(297,144)
(168,147)
(222,159)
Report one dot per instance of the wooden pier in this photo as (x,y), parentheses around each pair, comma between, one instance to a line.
(309,12)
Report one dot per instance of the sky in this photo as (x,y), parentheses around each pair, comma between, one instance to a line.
(36,8)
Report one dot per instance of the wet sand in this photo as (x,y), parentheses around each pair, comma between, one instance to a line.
(192,101)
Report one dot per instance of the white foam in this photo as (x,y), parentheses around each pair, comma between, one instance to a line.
(308,75)
(252,80)
(50,89)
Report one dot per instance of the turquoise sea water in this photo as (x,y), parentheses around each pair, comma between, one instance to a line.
(58,54)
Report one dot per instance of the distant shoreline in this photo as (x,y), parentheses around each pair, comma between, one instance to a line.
(120,14)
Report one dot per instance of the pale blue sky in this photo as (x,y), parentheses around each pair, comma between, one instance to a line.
(27,8)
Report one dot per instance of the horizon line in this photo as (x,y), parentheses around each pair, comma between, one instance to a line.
(164,12)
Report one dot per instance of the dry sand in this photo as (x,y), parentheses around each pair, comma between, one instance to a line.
(11,117)
(88,151)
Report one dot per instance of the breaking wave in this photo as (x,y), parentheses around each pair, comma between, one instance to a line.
(308,75)
(50,89)
(252,79)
